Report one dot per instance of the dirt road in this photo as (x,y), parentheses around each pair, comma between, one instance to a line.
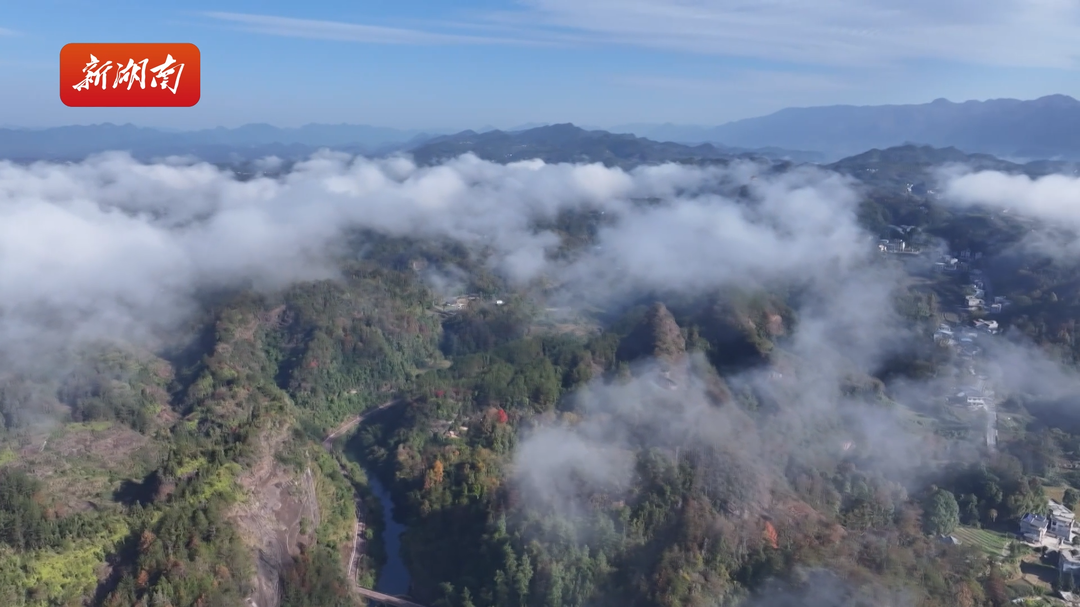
(352,422)
(358,531)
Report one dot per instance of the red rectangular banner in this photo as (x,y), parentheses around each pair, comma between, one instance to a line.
(120,74)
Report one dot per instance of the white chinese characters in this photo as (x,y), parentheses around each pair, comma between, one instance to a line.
(131,73)
(96,73)
(165,70)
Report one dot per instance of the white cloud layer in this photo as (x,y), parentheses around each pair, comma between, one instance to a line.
(1052,201)
(1053,197)
(112,247)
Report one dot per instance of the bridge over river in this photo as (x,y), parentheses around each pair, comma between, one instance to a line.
(385,599)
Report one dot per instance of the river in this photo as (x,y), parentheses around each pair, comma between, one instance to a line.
(394,577)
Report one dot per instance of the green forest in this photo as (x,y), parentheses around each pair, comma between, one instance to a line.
(195,476)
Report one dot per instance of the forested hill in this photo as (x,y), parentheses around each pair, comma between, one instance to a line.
(888,168)
(731,397)
(569,143)
(254,142)
(227,494)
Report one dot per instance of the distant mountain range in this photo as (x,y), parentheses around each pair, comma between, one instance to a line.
(555,143)
(569,143)
(1047,127)
(1044,128)
(215,145)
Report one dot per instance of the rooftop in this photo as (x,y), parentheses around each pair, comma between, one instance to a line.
(1036,520)
(1061,512)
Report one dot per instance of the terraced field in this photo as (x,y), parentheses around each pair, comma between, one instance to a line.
(990,542)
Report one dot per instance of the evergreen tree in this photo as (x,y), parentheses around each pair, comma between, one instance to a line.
(942,513)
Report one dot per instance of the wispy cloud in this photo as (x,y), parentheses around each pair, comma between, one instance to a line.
(856,33)
(1017,33)
(755,81)
(355,32)
(6,32)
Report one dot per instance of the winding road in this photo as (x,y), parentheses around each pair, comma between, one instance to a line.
(358,532)
(353,421)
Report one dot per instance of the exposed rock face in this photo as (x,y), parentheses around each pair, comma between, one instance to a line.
(656,336)
(270,519)
(741,329)
(658,339)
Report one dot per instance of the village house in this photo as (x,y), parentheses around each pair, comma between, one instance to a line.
(990,326)
(944,335)
(1069,560)
(974,303)
(1033,528)
(946,264)
(974,396)
(950,539)
(459,302)
(896,246)
(891,246)
(1062,522)
(968,350)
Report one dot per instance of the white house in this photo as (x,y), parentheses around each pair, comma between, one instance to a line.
(1069,561)
(1062,522)
(1033,527)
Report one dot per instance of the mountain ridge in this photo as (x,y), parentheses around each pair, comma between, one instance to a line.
(1045,127)
(563,142)
(567,142)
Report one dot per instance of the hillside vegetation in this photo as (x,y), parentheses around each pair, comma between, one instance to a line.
(194,475)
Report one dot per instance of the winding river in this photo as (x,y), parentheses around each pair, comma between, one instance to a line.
(394,577)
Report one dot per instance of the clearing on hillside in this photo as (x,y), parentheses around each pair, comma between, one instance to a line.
(991,542)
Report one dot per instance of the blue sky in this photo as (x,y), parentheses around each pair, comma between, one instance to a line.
(448,65)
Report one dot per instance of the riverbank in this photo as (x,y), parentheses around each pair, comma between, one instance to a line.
(366,557)
(373,560)
(394,578)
